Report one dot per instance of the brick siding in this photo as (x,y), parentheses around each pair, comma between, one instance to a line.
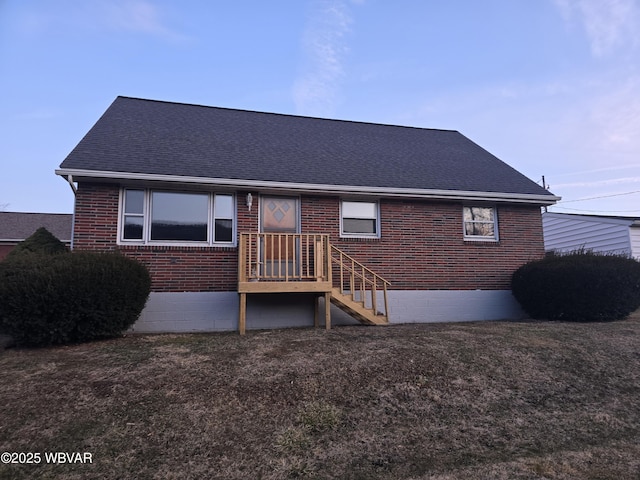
(421,246)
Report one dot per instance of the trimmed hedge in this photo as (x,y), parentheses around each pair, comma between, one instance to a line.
(70,298)
(578,286)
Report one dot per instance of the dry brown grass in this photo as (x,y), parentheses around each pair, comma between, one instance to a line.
(492,400)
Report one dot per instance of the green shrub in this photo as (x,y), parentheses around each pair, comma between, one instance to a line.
(42,241)
(579,286)
(70,298)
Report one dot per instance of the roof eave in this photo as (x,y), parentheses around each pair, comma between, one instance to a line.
(80,174)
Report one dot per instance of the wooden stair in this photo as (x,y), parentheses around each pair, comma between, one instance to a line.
(270,263)
(355,289)
(357,309)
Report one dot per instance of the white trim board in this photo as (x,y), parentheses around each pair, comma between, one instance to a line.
(77,174)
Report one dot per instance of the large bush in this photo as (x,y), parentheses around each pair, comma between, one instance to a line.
(578,286)
(69,298)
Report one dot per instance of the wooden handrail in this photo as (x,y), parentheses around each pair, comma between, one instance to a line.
(283,257)
(334,249)
(361,280)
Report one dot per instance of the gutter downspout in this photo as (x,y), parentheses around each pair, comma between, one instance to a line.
(73,218)
(73,187)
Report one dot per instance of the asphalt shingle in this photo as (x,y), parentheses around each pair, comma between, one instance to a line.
(163,138)
(19,226)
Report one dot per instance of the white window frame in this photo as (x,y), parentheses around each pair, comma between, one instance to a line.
(481,238)
(376,205)
(149,220)
(146,224)
(212,205)
(123,216)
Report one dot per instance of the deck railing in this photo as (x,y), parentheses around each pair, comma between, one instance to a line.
(283,257)
(286,262)
(362,283)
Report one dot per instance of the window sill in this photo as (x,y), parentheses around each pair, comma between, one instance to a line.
(481,240)
(194,245)
(359,237)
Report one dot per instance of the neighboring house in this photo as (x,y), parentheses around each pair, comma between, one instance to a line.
(249,216)
(16,227)
(564,232)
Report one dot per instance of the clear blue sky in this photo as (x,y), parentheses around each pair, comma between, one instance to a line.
(552,87)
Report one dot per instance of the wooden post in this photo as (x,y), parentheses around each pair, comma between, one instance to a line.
(242,321)
(327,310)
(319,260)
(242,261)
(386,304)
(374,299)
(327,259)
(316,312)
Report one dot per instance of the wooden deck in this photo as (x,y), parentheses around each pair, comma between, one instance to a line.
(305,263)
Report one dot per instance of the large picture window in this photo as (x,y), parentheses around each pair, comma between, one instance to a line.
(179,216)
(155,216)
(359,219)
(480,223)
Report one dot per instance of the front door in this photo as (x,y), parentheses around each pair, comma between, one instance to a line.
(279,216)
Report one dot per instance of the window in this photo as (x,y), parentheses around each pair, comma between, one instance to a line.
(156,217)
(179,216)
(133,214)
(223,218)
(359,219)
(480,223)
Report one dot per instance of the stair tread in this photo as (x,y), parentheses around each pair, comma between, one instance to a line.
(357,309)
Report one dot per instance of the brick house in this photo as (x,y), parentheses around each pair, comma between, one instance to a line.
(245,218)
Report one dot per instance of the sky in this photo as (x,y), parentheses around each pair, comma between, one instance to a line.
(551,87)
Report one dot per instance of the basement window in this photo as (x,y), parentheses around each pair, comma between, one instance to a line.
(480,223)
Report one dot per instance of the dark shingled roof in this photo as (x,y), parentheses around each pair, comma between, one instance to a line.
(17,226)
(151,137)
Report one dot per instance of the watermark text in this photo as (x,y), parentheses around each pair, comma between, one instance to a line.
(25,458)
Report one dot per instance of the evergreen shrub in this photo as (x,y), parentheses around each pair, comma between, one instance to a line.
(41,241)
(578,286)
(70,298)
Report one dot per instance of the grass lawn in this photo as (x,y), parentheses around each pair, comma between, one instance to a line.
(492,400)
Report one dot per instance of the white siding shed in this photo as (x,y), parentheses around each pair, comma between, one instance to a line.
(565,232)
